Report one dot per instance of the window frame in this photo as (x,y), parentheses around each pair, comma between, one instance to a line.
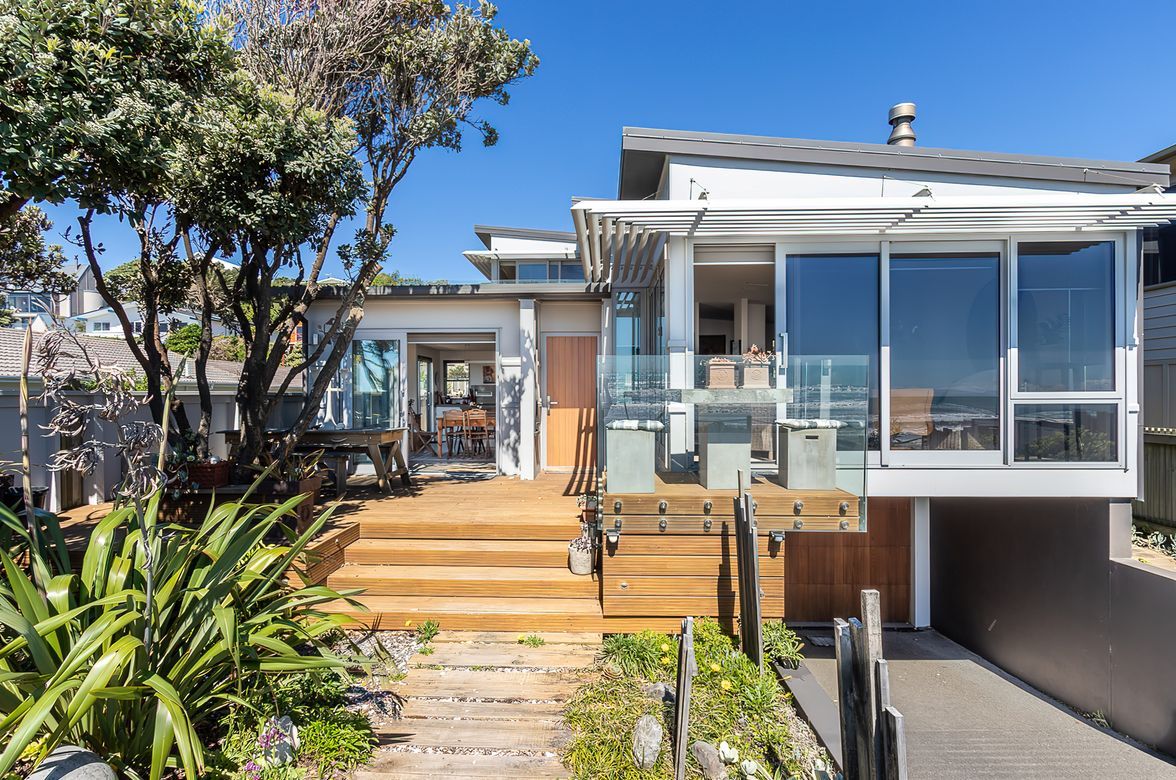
(1123,276)
(445,364)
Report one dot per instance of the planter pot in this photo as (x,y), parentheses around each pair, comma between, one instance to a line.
(724,449)
(756,375)
(630,452)
(806,458)
(580,561)
(272,491)
(720,376)
(209,475)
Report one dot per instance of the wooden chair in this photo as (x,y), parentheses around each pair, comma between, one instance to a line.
(476,429)
(451,430)
(422,440)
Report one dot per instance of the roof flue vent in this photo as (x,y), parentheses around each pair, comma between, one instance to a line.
(901,117)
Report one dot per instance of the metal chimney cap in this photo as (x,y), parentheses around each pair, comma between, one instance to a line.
(901,116)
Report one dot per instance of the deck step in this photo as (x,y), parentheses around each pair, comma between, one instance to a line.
(457,522)
(493,684)
(470,552)
(489,581)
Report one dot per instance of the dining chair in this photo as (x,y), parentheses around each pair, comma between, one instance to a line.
(452,421)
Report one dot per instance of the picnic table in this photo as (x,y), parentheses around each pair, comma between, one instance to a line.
(385,446)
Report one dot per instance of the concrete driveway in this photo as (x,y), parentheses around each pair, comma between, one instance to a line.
(967,719)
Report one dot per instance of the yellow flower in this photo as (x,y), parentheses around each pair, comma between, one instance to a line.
(725,685)
(716,668)
(665,648)
(407,623)
(665,660)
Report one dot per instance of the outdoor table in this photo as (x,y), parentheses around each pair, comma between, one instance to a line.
(385,446)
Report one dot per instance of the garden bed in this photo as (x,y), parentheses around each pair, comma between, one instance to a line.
(732,702)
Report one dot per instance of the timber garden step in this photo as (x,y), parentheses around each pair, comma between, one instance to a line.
(491,581)
(469,552)
(453,524)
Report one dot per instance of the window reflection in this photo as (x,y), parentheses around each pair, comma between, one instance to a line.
(1065,316)
(944,352)
(375,383)
(1066,433)
(832,309)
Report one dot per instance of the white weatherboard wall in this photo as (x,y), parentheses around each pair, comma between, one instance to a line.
(729,179)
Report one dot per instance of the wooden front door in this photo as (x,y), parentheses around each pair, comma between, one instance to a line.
(571,402)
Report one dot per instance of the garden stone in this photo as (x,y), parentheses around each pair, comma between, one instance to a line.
(647,739)
(660,692)
(708,759)
(69,762)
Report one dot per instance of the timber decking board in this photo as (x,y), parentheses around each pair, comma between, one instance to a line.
(470,552)
(538,735)
(683,495)
(441,709)
(396,765)
(508,655)
(703,587)
(665,605)
(463,580)
(700,566)
(488,684)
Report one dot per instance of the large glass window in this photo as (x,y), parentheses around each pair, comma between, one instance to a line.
(457,379)
(1065,316)
(571,271)
(375,383)
(532,272)
(1061,433)
(832,310)
(945,352)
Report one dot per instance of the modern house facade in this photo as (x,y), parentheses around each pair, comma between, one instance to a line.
(970,321)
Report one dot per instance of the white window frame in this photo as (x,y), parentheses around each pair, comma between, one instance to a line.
(1119,314)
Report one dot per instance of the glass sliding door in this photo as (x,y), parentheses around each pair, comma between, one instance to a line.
(425,391)
(375,383)
(831,312)
(945,352)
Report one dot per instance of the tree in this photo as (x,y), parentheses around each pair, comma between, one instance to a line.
(408,75)
(26,261)
(184,340)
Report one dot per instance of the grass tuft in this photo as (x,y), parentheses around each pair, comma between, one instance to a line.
(532,640)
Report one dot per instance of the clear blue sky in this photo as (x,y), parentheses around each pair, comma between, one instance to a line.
(1076,77)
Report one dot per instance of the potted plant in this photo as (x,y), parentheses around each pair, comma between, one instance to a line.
(756,367)
(300,473)
(720,373)
(580,552)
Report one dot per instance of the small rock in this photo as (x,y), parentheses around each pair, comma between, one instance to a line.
(647,739)
(708,759)
(69,762)
(661,692)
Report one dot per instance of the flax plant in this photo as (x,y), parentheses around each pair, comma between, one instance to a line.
(138,654)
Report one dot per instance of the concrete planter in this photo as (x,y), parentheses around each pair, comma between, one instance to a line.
(579,560)
(630,455)
(806,457)
(724,449)
(720,375)
(756,375)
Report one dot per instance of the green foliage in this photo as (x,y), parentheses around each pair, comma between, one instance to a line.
(646,654)
(227,348)
(428,630)
(336,741)
(88,662)
(26,261)
(171,279)
(532,640)
(88,89)
(781,643)
(732,701)
(184,340)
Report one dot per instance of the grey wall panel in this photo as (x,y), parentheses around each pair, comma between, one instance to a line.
(1023,583)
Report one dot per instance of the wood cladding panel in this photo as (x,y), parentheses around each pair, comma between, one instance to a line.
(571,386)
(827,572)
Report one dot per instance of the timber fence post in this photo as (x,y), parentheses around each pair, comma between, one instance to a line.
(687,668)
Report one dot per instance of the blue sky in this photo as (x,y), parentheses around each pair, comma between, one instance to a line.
(1080,78)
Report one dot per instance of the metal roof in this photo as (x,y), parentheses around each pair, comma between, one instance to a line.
(644,150)
(621,240)
(486,232)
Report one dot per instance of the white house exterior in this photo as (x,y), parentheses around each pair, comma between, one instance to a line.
(996,299)
(103,322)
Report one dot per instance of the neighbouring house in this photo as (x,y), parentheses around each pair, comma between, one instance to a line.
(103,322)
(38,309)
(67,489)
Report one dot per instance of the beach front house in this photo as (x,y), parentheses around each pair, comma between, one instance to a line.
(947,356)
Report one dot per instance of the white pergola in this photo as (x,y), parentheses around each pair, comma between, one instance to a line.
(621,241)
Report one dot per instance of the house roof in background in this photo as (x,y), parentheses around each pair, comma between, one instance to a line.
(486,232)
(222,374)
(644,151)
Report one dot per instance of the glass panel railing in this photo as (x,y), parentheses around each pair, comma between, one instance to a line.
(801,422)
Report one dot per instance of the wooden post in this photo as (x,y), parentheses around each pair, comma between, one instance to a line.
(843,647)
(687,668)
(896,763)
(882,746)
(870,653)
(862,672)
(747,568)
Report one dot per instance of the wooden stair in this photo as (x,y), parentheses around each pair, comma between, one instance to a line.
(483,705)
